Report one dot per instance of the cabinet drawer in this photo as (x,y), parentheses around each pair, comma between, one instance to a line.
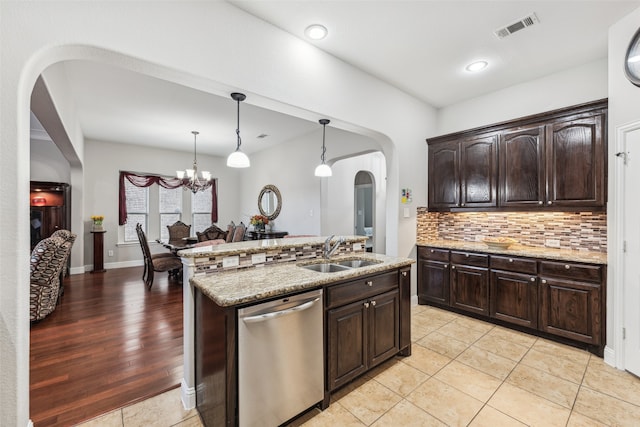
(520,265)
(361,288)
(433,253)
(572,271)
(470,258)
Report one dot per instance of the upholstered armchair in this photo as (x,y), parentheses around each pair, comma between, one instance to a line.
(179,230)
(65,248)
(48,258)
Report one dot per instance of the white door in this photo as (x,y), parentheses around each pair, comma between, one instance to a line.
(631,276)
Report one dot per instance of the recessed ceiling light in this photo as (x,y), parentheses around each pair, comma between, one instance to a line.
(476,66)
(316,32)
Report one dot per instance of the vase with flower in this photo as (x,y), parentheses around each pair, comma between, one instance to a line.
(97,222)
(258,222)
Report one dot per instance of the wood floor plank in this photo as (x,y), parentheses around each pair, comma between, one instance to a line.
(109,343)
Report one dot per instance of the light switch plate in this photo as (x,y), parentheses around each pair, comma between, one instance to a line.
(230,261)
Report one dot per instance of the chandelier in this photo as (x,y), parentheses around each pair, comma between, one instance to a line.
(190,178)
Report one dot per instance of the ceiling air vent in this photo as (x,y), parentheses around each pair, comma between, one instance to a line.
(520,24)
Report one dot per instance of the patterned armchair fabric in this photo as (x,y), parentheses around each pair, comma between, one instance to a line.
(211,233)
(65,249)
(47,261)
(179,230)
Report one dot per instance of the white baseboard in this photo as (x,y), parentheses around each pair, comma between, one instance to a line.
(77,270)
(188,395)
(30,423)
(414,300)
(112,266)
(610,356)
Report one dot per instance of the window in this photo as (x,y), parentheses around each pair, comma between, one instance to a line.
(137,208)
(170,208)
(201,210)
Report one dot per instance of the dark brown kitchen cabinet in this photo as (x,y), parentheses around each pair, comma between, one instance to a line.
(433,276)
(362,335)
(470,282)
(571,301)
(513,290)
(444,176)
(479,172)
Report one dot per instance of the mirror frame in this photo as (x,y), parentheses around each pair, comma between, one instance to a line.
(275,190)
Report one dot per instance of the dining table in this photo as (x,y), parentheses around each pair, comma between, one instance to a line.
(175,245)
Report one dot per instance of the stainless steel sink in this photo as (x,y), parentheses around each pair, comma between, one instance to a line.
(326,267)
(357,263)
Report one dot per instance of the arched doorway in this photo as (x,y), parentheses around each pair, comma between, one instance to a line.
(365,208)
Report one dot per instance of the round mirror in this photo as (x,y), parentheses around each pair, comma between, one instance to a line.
(270,201)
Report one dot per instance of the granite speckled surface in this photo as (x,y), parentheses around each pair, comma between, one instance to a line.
(521,250)
(253,285)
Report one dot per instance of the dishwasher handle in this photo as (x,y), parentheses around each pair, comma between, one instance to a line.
(271,315)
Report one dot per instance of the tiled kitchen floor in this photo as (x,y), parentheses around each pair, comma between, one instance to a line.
(461,372)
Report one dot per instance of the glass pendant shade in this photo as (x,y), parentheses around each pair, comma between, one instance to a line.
(323,170)
(238,159)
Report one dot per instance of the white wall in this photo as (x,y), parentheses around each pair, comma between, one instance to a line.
(47,163)
(585,83)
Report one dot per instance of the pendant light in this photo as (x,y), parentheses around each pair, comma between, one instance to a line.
(190,178)
(323,169)
(238,159)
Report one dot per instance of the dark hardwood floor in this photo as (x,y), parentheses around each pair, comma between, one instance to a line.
(109,343)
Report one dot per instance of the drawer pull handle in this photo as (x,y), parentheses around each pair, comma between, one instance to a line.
(510,259)
(446,265)
(404,274)
(544,282)
(373,303)
(366,305)
(369,283)
(567,266)
(549,202)
(432,251)
(453,267)
(539,202)
(467,255)
(462,204)
(533,279)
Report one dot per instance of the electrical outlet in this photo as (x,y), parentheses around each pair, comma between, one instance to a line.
(552,243)
(110,252)
(357,247)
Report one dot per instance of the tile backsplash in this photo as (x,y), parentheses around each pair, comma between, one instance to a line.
(566,230)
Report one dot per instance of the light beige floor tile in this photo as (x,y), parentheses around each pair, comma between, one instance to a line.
(421,326)
(444,402)
(443,344)
(568,369)
(528,408)
(190,422)
(502,347)
(606,409)
(348,388)
(163,410)
(545,385)
(334,415)
(475,324)
(461,332)
(417,309)
(426,360)
(513,336)
(439,314)
(406,414)
(490,417)
(110,419)
(614,382)
(400,377)
(579,420)
(487,362)
(369,401)
(557,349)
(469,380)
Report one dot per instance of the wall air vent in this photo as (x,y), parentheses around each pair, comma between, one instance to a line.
(518,25)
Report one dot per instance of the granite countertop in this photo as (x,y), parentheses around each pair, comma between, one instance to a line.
(255,246)
(232,288)
(521,250)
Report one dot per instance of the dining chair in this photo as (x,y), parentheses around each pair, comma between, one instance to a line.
(170,263)
(179,230)
(238,233)
(230,229)
(212,232)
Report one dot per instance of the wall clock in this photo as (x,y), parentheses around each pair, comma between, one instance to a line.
(632,60)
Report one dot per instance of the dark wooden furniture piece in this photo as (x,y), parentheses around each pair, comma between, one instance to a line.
(98,251)
(559,300)
(50,205)
(213,232)
(555,160)
(178,230)
(165,262)
(260,235)
(367,321)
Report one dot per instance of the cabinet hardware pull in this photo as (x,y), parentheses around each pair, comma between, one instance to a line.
(539,202)
(533,279)
(446,265)
(369,283)
(549,202)
(453,267)
(544,282)
(404,274)
(510,259)
(467,255)
(366,305)
(462,204)
(432,251)
(567,266)
(373,303)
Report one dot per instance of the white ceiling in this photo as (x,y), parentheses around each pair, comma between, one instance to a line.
(419,46)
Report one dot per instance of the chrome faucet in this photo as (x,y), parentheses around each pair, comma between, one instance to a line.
(328,249)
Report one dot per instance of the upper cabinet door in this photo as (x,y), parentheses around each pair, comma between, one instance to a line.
(444,175)
(575,162)
(522,167)
(479,172)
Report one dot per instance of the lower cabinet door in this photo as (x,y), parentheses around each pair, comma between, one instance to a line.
(384,340)
(433,282)
(347,341)
(571,309)
(470,288)
(514,298)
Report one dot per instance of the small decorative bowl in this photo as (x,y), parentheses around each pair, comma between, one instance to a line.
(499,242)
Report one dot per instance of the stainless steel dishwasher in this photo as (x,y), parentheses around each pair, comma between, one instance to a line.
(280,359)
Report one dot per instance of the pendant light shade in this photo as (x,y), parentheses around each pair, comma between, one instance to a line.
(323,169)
(238,159)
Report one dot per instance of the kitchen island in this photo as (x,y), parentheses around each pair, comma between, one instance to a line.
(366,316)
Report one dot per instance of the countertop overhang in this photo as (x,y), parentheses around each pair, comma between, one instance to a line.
(253,285)
(521,250)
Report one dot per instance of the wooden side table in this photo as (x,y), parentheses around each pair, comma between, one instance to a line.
(98,251)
